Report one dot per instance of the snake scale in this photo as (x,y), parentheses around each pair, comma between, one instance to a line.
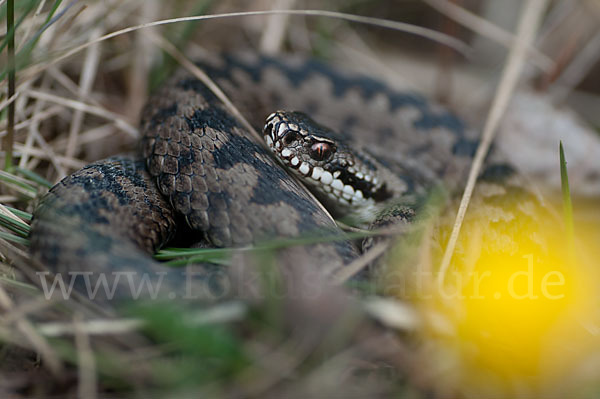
(203,177)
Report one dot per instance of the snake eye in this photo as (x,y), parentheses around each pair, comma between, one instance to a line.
(319,151)
(289,137)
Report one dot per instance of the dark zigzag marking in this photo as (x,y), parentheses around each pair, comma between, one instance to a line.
(368,88)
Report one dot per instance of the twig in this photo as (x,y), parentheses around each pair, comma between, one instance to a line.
(528,25)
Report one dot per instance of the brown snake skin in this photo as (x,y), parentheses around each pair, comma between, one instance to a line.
(212,176)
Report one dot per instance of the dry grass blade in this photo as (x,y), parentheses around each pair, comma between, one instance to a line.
(578,69)
(345,273)
(78,105)
(47,152)
(59,161)
(281,362)
(35,306)
(8,101)
(335,367)
(527,28)
(274,32)
(487,29)
(38,116)
(33,123)
(452,42)
(393,313)
(87,387)
(198,73)
(92,327)
(35,340)
(88,74)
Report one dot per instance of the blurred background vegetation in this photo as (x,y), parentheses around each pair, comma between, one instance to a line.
(78,99)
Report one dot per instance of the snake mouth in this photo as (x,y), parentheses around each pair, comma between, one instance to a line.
(323,164)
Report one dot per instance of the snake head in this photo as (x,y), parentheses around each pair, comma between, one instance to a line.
(345,179)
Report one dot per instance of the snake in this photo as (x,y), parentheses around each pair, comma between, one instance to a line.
(200,177)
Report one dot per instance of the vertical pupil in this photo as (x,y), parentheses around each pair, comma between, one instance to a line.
(320,151)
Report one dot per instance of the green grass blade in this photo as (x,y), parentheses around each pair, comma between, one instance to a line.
(566,194)
(567,205)
(14,238)
(15,226)
(7,281)
(22,214)
(9,13)
(23,56)
(34,177)
(25,52)
(183,256)
(20,6)
(174,253)
(18,183)
(7,143)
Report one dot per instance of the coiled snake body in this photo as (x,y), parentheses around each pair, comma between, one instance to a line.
(201,168)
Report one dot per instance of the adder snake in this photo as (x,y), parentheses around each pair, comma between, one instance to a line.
(202,173)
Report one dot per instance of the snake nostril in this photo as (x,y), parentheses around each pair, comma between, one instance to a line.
(268,129)
(290,137)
